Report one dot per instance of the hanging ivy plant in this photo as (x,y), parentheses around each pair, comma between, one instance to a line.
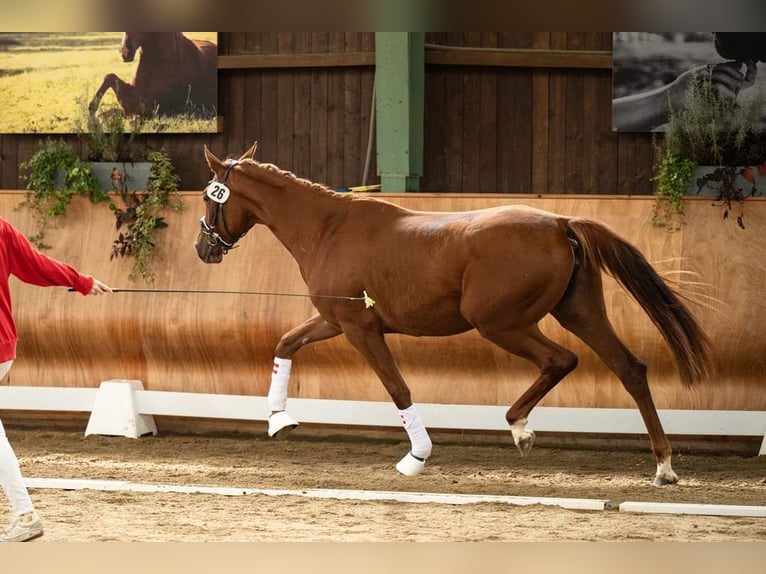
(139,218)
(674,174)
(54,175)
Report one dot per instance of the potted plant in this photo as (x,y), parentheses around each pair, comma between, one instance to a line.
(54,175)
(114,148)
(143,180)
(713,147)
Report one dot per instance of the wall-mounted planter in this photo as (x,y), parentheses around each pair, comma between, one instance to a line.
(711,180)
(122,176)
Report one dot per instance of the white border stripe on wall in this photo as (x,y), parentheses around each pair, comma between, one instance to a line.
(384,414)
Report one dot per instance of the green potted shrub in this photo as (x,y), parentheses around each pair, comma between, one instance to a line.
(54,175)
(713,147)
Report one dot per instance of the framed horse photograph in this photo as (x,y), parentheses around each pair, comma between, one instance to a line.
(51,82)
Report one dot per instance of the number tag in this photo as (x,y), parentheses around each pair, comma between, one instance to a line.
(218,192)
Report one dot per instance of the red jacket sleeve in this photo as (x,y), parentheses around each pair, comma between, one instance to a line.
(36,268)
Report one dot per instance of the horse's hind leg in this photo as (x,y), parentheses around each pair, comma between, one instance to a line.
(126,95)
(312,330)
(554,363)
(583,313)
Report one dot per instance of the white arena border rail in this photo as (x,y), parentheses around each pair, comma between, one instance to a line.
(122,408)
(403,496)
(325,493)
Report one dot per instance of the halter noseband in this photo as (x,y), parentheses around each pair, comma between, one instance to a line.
(214,239)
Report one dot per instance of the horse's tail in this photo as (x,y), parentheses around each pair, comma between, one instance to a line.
(604,249)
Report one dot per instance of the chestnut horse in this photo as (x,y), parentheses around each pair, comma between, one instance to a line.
(175,75)
(373,268)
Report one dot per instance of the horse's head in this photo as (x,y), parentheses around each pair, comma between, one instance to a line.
(226,220)
(131,42)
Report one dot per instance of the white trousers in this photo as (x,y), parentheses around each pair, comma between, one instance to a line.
(10,473)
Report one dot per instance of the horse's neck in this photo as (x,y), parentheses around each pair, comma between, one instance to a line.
(164,46)
(297,214)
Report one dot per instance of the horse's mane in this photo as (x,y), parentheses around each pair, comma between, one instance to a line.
(273,175)
(177,37)
(165,42)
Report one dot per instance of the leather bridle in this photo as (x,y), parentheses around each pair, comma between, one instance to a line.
(213,238)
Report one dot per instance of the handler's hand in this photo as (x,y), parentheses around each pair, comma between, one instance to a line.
(729,78)
(99,287)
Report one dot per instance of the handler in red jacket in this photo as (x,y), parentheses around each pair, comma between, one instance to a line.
(19,258)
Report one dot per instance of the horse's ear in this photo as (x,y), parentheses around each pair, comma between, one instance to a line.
(250,154)
(213,162)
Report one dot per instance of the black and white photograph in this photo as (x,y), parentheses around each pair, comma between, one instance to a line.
(651,71)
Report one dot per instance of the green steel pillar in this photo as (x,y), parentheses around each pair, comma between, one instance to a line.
(399,89)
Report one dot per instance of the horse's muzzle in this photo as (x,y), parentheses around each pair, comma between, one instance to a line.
(208,253)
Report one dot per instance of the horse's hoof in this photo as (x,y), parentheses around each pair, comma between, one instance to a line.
(280,424)
(410,465)
(524,443)
(665,479)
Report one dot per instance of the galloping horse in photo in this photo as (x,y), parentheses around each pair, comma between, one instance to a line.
(374,268)
(175,75)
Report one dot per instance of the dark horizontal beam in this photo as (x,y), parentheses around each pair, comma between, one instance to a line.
(518,57)
(435,55)
(318,60)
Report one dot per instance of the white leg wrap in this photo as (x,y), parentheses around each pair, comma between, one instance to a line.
(280,378)
(416,430)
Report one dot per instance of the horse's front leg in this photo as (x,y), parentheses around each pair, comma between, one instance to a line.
(125,93)
(312,330)
(372,345)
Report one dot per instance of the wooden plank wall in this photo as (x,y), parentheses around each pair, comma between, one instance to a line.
(529,124)
(224,343)
(499,118)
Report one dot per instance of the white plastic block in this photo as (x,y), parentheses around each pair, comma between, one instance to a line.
(114,411)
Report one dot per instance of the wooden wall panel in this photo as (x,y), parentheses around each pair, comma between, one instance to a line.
(352,109)
(454,120)
(557,165)
(302,111)
(267,137)
(366,115)
(436,117)
(224,343)
(318,113)
(539,118)
(253,104)
(232,99)
(335,114)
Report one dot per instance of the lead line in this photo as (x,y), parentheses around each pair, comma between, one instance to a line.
(368,301)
